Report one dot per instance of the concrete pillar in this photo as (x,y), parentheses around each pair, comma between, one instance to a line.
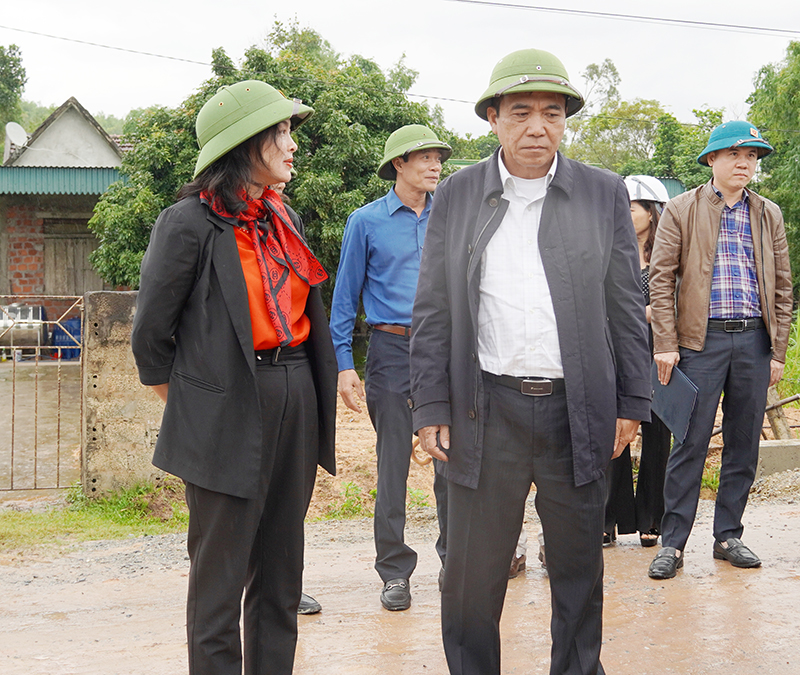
(121,417)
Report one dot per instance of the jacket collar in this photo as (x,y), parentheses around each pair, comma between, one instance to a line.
(564,178)
(755,201)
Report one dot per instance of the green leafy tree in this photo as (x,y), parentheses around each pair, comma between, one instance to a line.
(775,110)
(692,141)
(33,114)
(665,145)
(12,82)
(356,107)
(160,162)
(620,137)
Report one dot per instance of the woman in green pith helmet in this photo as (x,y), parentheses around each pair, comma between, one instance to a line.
(230,331)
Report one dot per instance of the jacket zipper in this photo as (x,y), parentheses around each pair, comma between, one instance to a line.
(477,369)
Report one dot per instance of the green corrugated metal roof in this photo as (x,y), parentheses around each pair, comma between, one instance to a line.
(674,186)
(42,180)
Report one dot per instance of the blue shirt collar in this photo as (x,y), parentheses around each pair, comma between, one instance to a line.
(393,202)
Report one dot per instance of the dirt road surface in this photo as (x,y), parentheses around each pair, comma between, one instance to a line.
(117,607)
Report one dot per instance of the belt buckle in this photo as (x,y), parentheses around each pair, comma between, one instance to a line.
(275,355)
(735,325)
(536,387)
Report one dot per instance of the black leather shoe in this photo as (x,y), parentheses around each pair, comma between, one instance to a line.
(666,563)
(308,605)
(396,595)
(736,553)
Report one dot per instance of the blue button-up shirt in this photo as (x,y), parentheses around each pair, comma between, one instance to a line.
(734,285)
(379,261)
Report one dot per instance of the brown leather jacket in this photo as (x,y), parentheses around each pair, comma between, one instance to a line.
(682,264)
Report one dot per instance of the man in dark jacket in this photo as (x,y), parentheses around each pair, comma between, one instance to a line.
(529,363)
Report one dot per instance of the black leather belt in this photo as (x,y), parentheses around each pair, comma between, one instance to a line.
(528,385)
(735,325)
(281,355)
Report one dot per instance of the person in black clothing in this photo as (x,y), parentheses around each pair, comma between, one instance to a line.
(625,512)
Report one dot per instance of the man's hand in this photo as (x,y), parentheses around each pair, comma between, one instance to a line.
(427,440)
(666,361)
(350,389)
(775,372)
(626,432)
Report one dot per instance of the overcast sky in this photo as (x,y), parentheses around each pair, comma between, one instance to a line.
(453,45)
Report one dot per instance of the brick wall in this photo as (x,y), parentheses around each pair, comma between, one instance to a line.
(25,250)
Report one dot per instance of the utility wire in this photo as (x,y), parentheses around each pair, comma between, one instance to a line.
(634,17)
(420,96)
(97,44)
(203,63)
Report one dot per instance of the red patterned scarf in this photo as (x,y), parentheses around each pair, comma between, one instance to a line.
(278,246)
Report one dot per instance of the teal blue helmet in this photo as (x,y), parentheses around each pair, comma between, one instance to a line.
(736,134)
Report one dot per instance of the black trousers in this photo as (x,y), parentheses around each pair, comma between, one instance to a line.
(737,364)
(255,546)
(388,389)
(642,512)
(656,441)
(526,440)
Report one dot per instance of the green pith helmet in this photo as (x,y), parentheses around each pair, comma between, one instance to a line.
(736,134)
(408,139)
(529,70)
(238,112)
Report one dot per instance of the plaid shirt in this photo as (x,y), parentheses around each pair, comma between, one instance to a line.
(734,285)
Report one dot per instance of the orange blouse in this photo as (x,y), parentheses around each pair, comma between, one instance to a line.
(264,335)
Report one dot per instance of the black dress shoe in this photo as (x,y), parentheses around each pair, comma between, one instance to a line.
(396,595)
(666,563)
(736,553)
(308,605)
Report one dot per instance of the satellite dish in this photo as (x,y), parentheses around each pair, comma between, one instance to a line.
(16,134)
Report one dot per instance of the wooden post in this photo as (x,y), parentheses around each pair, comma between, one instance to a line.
(777,420)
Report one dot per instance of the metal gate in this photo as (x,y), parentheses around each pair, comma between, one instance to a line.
(41,402)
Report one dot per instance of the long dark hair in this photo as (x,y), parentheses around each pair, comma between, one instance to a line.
(230,174)
(651,208)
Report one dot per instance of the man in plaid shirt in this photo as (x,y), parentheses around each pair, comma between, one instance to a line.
(721,302)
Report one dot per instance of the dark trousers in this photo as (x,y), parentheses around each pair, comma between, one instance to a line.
(526,440)
(642,512)
(737,364)
(255,546)
(388,389)
(656,441)
(620,499)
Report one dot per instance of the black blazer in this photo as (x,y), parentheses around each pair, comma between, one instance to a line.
(192,329)
(590,257)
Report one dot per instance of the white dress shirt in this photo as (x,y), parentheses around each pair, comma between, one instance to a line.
(517,332)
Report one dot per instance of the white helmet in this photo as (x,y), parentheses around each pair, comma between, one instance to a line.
(646,188)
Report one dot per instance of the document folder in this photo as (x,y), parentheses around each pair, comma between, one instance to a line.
(674,403)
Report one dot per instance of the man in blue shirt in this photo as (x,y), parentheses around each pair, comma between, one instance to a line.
(726,326)
(379,262)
